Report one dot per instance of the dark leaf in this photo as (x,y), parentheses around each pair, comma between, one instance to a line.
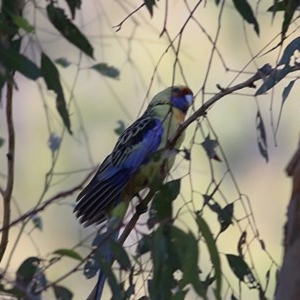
(68,253)
(276,76)
(131,288)
(262,245)
(61,22)
(102,250)
(13,60)
(262,294)
(290,8)
(289,51)
(240,268)
(278,6)
(106,70)
(213,252)
(28,268)
(242,242)
(217,2)
(225,216)
(62,293)
(212,204)
(267,279)
(116,288)
(54,142)
(37,221)
(144,245)
(210,148)
(233,297)
(287,90)
(187,154)
(29,277)
(120,255)
(150,4)
(163,260)
(2,140)
(52,80)
(63,62)
(73,4)
(172,250)
(161,207)
(261,137)
(245,10)
(180,295)
(186,247)
(120,129)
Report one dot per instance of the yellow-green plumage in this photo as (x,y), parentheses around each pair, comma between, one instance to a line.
(133,163)
(139,158)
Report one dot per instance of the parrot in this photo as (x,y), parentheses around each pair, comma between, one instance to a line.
(130,167)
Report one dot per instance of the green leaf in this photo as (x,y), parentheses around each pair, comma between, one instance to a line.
(2,140)
(261,137)
(27,269)
(52,80)
(161,207)
(13,60)
(245,10)
(120,255)
(213,252)
(63,62)
(279,6)
(289,51)
(73,5)
(22,23)
(62,293)
(163,260)
(119,211)
(106,70)
(61,22)
(240,268)
(68,253)
(186,247)
(150,4)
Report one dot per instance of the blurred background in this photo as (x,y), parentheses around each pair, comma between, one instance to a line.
(141,50)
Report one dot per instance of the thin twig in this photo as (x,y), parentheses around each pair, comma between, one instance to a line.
(41,207)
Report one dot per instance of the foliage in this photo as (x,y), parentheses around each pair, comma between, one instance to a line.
(173,248)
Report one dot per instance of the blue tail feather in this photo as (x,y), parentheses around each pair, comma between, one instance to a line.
(109,259)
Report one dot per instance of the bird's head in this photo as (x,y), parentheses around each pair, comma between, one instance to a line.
(178,96)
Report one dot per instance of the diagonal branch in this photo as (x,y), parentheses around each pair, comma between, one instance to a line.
(260,74)
(41,207)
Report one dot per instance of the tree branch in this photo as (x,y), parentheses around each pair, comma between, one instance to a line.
(10,168)
(260,74)
(40,208)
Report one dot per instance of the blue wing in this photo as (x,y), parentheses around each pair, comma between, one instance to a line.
(133,149)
